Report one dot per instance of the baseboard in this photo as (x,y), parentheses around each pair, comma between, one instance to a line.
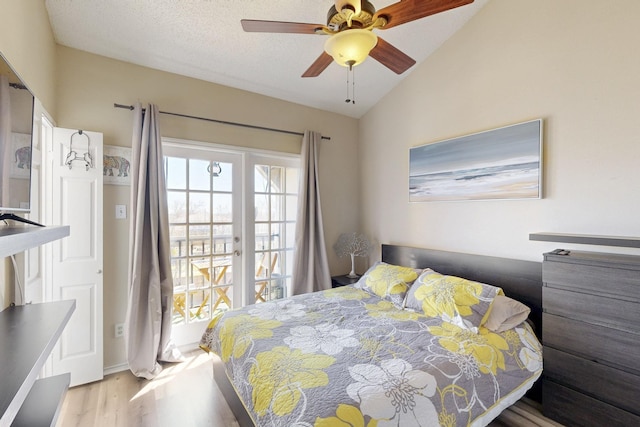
(108,370)
(184,349)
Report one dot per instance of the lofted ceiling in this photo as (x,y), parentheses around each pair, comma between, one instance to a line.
(203,39)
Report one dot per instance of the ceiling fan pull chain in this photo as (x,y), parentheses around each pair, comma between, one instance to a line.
(353,87)
(348,100)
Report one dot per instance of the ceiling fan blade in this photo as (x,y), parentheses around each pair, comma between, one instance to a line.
(318,65)
(257,26)
(391,57)
(409,10)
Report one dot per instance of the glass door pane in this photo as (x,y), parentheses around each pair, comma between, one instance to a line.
(275,206)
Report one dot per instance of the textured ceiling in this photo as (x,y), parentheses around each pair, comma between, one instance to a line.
(203,39)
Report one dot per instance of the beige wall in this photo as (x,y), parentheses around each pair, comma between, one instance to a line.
(26,41)
(27,44)
(573,63)
(88,86)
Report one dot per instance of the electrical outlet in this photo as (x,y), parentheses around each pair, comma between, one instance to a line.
(119,330)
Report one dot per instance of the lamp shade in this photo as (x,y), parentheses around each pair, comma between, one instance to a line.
(351,47)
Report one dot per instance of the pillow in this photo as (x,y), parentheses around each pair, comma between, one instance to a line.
(388,281)
(506,313)
(455,300)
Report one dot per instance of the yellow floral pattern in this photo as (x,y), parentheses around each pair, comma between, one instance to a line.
(279,376)
(238,333)
(346,416)
(386,309)
(390,282)
(348,358)
(486,347)
(454,299)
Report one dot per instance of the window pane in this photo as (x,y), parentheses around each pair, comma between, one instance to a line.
(199,207)
(276,208)
(277,235)
(199,177)
(178,237)
(291,208)
(261,179)
(176,173)
(179,272)
(291,235)
(222,239)
(223,181)
(222,207)
(177,203)
(199,240)
(262,237)
(199,272)
(261,205)
(277,179)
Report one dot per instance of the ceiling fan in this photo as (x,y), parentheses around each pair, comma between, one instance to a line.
(350,25)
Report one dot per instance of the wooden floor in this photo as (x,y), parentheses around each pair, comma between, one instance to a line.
(185,395)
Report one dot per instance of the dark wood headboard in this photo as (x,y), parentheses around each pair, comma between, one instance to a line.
(520,280)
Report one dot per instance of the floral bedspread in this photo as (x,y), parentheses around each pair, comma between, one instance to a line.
(344,357)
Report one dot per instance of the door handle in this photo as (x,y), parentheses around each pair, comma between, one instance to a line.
(236,252)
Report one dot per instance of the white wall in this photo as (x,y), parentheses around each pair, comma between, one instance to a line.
(573,63)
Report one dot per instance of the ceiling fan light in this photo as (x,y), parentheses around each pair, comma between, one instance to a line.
(351,47)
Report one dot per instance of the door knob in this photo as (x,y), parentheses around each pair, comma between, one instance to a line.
(99,271)
(236,252)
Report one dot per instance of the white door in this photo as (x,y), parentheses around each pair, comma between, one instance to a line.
(232,221)
(205,216)
(76,267)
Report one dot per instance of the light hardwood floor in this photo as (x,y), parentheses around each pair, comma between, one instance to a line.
(186,395)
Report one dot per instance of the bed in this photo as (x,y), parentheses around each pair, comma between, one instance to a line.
(380,353)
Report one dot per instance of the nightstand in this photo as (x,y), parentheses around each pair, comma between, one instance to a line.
(337,281)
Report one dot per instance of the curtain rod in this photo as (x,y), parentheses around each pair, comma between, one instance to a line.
(224,122)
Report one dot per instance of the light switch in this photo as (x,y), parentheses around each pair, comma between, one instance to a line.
(121,211)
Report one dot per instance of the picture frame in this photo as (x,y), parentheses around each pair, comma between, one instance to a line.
(116,165)
(21,155)
(498,164)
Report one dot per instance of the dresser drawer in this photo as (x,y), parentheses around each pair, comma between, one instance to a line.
(597,343)
(607,384)
(576,409)
(624,315)
(616,279)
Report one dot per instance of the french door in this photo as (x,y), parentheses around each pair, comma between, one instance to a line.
(232,218)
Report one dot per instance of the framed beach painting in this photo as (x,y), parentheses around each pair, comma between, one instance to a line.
(503,163)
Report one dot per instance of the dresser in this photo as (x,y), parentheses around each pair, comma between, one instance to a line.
(591,338)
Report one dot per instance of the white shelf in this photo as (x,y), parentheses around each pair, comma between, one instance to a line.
(19,238)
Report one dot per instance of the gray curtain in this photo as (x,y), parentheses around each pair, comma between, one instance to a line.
(148,323)
(5,138)
(310,264)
